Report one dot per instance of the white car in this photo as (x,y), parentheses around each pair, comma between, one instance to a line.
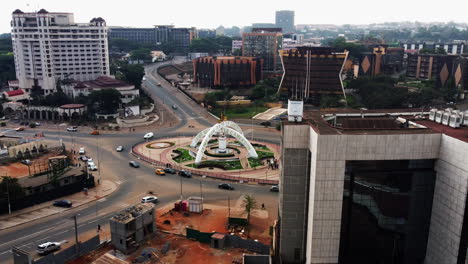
(148,135)
(149,199)
(72,129)
(90,160)
(47,247)
(81,151)
(92,167)
(119,149)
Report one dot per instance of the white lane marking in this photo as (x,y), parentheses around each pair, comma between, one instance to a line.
(8,251)
(33,234)
(102,200)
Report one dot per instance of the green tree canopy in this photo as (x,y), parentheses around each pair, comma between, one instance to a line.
(141,54)
(105,101)
(12,187)
(340,44)
(249,203)
(132,73)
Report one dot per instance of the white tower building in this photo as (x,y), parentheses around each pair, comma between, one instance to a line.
(48,46)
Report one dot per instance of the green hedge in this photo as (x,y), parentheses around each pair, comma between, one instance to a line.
(224,165)
(183,155)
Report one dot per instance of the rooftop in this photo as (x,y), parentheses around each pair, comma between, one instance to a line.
(132,212)
(102,82)
(380,122)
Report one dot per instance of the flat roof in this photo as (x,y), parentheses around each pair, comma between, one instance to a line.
(132,212)
(377,122)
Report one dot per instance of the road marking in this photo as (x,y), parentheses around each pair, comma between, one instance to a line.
(5,252)
(102,199)
(118,182)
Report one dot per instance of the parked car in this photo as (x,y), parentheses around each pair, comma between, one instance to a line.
(119,149)
(134,164)
(148,135)
(90,160)
(225,186)
(185,174)
(159,172)
(83,158)
(19,129)
(63,203)
(274,188)
(81,151)
(95,132)
(169,170)
(174,107)
(92,166)
(149,199)
(26,162)
(37,123)
(159,84)
(47,247)
(72,129)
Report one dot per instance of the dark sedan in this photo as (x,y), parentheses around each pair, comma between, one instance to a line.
(169,170)
(63,203)
(134,164)
(185,174)
(225,186)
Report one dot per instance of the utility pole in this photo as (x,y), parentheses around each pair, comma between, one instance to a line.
(201,190)
(77,245)
(8,193)
(229,206)
(99,160)
(181,197)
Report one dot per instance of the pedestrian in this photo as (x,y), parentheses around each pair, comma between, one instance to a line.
(98,228)
(263,206)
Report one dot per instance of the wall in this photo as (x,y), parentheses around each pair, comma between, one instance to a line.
(449,202)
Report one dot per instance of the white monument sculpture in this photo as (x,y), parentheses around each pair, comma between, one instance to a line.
(225,128)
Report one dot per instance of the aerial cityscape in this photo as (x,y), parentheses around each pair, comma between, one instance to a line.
(223,135)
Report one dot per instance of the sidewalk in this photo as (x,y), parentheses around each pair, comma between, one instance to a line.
(47,209)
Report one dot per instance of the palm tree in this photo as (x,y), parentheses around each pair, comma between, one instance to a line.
(249,203)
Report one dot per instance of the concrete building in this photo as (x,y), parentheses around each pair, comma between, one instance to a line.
(373,187)
(285,20)
(227,71)
(311,72)
(430,66)
(382,60)
(236,45)
(51,46)
(453,48)
(206,33)
(132,226)
(137,35)
(264,43)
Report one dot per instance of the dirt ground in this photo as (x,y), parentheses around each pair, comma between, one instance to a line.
(18,169)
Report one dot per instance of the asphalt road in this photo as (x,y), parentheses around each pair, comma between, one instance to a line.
(132,183)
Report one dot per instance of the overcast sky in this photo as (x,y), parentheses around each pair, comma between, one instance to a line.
(212,13)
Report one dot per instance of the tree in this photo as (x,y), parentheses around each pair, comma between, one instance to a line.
(132,73)
(105,101)
(10,186)
(379,92)
(340,44)
(141,54)
(249,203)
(265,90)
(122,45)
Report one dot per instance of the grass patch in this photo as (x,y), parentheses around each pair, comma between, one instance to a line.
(166,142)
(240,112)
(184,155)
(261,156)
(224,165)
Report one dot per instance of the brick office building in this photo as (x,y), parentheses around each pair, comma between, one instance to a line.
(227,71)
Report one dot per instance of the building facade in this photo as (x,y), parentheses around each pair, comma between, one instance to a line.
(372,187)
(227,71)
(264,43)
(51,46)
(285,20)
(451,48)
(430,66)
(206,33)
(137,35)
(382,60)
(311,72)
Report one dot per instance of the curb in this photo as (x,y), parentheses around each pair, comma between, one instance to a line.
(118,186)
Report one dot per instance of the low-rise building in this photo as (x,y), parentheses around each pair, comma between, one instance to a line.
(128,91)
(132,226)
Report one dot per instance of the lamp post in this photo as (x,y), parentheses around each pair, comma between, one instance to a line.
(252,133)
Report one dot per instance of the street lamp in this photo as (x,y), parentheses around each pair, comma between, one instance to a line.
(252,133)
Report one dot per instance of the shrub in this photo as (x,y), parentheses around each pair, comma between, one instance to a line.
(3,124)
(32,125)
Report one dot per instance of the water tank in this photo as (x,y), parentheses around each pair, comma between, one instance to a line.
(432,114)
(446,118)
(455,120)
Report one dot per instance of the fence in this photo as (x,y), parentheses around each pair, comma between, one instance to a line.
(61,257)
(214,175)
(199,236)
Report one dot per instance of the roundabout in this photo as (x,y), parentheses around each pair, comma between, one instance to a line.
(221,151)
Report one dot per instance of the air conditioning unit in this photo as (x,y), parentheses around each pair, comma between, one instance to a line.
(465,118)
(438,117)
(446,118)
(455,120)
(432,114)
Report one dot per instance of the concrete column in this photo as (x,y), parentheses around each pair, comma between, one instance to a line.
(34,114)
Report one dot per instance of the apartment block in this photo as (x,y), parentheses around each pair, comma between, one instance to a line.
(264,43)
(49,46)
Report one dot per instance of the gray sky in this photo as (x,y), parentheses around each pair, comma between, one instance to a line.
(212,13)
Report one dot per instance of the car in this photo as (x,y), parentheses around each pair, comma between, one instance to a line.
(174,107)
(159,172)
(159,84)
(83,158)
(225,186)
(72,129)
(169,170)
(90,160)
(95,132)
(47,247)
(24,123)
(92,166)
(63,203)
(19,129)
(26,162)
(37,123)
(149,199)
(134,164)
(119,149)
(148,135)
(274,188)
(81,151)
(144,78)
(185,174)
